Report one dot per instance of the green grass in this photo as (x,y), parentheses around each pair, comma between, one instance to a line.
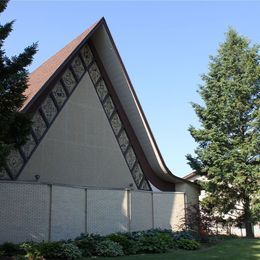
(236,249)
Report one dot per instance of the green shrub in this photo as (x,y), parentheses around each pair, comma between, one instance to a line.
(70,251)
(129,246)
(86,246)
(32,251)
(10,249)
(95,237)
(118,244)
(87,243)
(155,243)
(184,234)
(187,244)
(60,250)
(50,249)
(109,248)
(23,257)
(150,232)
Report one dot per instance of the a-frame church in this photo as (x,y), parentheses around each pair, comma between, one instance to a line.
(88,127)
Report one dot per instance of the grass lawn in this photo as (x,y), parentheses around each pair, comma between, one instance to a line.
(236,249)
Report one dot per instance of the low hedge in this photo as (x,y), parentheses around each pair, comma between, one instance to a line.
(117,244)
(187,244)
(156,243)
(51,250)
(128,245)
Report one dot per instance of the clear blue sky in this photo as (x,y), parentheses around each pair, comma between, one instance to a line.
(164,46)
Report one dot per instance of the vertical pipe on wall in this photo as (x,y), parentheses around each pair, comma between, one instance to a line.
(50,215)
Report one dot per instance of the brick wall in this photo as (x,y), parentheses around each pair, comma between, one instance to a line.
(52,212)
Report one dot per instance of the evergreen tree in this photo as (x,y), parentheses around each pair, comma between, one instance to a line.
(14,125)
(228,139)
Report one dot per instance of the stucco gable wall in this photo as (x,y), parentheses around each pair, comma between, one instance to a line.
(80,147)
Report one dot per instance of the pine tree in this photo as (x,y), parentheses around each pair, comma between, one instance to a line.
(228,138)
(14,125)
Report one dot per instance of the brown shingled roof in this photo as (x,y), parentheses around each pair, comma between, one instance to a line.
(41,75)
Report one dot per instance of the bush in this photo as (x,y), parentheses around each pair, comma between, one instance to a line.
(92,236)
(129,245)
(70,251)
(49,250)
(109,248)
(59,250)
(151,232)
(52,249)
(32,251)
(155,243)
(187,244)
(118,244)
(2,253)
(10,249)
(87,243)
(184,234)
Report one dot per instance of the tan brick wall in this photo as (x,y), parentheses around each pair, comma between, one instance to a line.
(192,193)
(31,211)
(24,212)
(107,211)
(169,210)
(67,212)
(141,210)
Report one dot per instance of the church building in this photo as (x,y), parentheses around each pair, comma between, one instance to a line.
(89,129)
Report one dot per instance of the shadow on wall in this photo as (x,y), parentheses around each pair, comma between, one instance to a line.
(169,212)
(107,211)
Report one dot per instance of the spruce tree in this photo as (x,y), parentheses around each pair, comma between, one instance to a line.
(14,125)
(228,138)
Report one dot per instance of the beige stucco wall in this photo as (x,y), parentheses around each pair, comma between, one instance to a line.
(80,147)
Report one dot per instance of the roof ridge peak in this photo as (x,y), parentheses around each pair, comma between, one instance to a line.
(42,74)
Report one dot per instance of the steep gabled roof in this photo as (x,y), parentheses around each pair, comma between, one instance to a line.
(122,92)
(39,77)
